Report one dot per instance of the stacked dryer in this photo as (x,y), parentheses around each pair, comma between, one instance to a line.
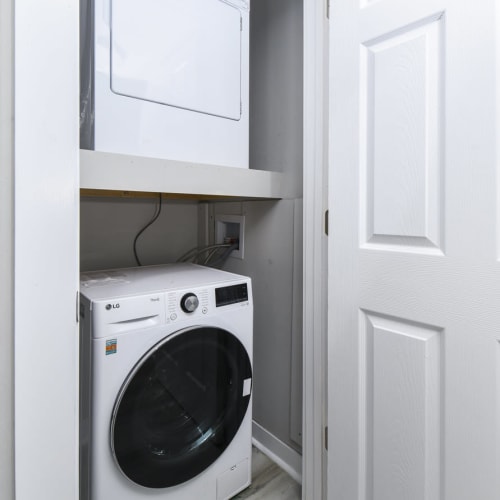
(166,379)
(166,79)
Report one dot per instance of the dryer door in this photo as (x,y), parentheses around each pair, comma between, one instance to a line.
(181,406)
(183,53)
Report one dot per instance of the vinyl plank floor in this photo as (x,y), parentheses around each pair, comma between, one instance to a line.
(269,482)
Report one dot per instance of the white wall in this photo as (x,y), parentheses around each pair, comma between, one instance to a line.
(6,253)
(109,225)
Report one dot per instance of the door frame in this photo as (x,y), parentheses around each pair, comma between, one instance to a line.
(7,249)
(315,192)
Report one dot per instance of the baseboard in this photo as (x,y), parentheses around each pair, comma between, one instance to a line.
(279,452)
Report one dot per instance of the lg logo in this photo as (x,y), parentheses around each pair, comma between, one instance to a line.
(112,306)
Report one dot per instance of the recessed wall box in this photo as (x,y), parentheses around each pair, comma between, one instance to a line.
(230,229)
(166,79)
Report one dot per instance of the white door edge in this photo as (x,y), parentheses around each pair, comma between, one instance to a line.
(314,244)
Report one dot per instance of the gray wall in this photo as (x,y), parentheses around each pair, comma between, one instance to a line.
(276,85)
(273,243)
(108,227)
(7,486)
(274,229)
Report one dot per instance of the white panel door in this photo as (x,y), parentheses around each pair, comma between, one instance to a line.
(46,278)
(414,283)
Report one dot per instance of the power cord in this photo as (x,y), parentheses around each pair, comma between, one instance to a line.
(155,216)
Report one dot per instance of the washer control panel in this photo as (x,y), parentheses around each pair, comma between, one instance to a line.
(182,304)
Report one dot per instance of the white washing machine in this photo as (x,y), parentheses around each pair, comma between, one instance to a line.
(166,79)
(166,382)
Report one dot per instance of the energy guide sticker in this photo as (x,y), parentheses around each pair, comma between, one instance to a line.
(110,346)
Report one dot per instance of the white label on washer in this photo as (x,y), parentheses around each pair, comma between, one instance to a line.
(247,386)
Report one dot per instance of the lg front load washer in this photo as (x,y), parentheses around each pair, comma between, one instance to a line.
(166,381)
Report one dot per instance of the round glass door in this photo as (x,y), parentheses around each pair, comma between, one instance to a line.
(181,406)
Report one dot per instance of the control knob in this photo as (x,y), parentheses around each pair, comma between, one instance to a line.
(189,302)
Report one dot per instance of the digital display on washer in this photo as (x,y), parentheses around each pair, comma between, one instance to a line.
(231,294)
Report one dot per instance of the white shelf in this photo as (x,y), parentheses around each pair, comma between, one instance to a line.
(116,172)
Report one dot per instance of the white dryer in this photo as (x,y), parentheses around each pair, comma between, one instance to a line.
(166,381)
(166,79)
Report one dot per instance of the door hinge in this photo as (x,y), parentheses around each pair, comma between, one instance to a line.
(326,221)
(326,438)
(77,306)
(328,9)
(241,24)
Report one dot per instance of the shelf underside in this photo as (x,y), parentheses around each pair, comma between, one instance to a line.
(123,175)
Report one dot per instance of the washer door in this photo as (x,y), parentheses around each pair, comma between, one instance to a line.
(181,406)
